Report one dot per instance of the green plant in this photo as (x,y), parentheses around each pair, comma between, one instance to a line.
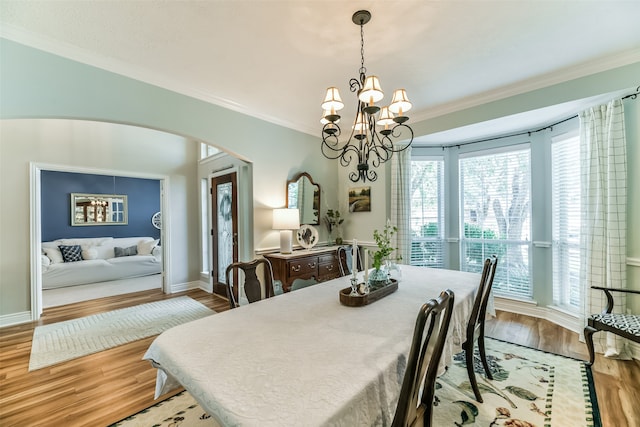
(383,240)
(333,219)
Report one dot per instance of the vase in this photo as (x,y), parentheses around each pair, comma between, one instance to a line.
(338,236)
(379,277)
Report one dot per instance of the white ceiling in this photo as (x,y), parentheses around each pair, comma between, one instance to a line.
(274,59)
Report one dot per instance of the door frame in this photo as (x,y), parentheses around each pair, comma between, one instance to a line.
(35,228)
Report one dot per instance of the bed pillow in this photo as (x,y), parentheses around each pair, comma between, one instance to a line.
(71,253)
(145,247)
(53,254)
(131,250)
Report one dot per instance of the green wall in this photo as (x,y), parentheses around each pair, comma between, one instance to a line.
(35,84)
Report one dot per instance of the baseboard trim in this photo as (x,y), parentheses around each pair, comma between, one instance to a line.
(15,319)
(181,287)
(206,286)
(531,309)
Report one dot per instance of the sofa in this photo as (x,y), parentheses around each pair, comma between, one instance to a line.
(71,262)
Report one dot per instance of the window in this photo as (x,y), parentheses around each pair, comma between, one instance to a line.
(495,211)
(207,150)
(427,212)
(565,206)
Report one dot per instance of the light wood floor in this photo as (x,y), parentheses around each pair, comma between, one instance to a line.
(103,388)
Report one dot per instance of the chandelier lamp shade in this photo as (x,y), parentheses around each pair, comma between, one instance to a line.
(377,132)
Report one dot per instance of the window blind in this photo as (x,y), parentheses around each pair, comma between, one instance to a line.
(565,202)
(495,204)
(427,213)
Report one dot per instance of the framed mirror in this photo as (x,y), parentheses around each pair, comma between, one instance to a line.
(98,209)
(304,194)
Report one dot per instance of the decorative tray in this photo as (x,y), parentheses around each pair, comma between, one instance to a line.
(366,299)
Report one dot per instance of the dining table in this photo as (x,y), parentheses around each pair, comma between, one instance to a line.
(304,359)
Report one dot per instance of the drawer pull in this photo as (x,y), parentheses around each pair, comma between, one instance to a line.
(329,267)
(296,268)
(312,265)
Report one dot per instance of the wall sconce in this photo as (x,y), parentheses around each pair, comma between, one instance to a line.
(286,220)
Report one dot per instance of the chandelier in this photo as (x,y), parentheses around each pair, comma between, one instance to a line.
(374,129)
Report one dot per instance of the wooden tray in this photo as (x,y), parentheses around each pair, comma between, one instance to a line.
(360,300)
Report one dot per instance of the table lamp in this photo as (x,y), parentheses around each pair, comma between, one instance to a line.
(286,220)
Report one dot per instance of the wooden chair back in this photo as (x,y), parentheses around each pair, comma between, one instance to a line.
(429,336)
(344,259)
(475,326)
(257,281)
(479,311)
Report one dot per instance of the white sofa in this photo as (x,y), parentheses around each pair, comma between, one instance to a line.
(99,262)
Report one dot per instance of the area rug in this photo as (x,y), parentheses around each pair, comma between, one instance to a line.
(62,341)
(530,388)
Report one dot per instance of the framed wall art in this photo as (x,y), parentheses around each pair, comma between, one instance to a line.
(360,199)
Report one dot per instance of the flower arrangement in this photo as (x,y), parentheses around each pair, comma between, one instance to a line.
(333,220)
(383,240)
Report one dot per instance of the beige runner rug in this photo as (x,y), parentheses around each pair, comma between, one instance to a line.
(62,341)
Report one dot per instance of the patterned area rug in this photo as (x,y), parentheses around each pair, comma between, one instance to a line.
(530,388)
(62,341)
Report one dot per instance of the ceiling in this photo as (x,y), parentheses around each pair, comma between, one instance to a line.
(274,59)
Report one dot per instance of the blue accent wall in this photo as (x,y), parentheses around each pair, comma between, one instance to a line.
(143,198)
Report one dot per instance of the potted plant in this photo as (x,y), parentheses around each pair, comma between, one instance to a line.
(333,221)
(380,274)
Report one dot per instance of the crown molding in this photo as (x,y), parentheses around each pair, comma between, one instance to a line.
(144,75)
(539,82)
(84,56)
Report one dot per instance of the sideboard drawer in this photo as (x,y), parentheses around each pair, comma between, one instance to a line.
(328,270)
(303,267)
(320,264)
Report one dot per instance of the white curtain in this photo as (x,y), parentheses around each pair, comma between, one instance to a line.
(604,201)
(401,202)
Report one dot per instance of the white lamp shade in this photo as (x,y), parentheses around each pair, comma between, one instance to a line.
(332,100)
(324,120)
(360,125)
(371,91)
(385,118)
(400,103)
(286,219)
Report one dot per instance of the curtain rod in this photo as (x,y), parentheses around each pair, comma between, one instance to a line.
(530,132)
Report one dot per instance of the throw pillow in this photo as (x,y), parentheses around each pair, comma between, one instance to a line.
(71,253)
(131,250)
(145,247)
(89,253)
(53,254)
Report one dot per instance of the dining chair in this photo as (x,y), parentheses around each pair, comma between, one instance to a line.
(345,253)
(625,325)
(475,327)
(257,281)
(418,386)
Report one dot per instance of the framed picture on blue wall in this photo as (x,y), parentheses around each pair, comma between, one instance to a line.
(98,209)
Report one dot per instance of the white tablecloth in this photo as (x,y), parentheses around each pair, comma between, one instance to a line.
(302,358)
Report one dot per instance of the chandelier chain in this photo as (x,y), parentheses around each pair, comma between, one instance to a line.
(363,70)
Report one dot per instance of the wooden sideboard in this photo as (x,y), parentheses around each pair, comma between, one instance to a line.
(321,264)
